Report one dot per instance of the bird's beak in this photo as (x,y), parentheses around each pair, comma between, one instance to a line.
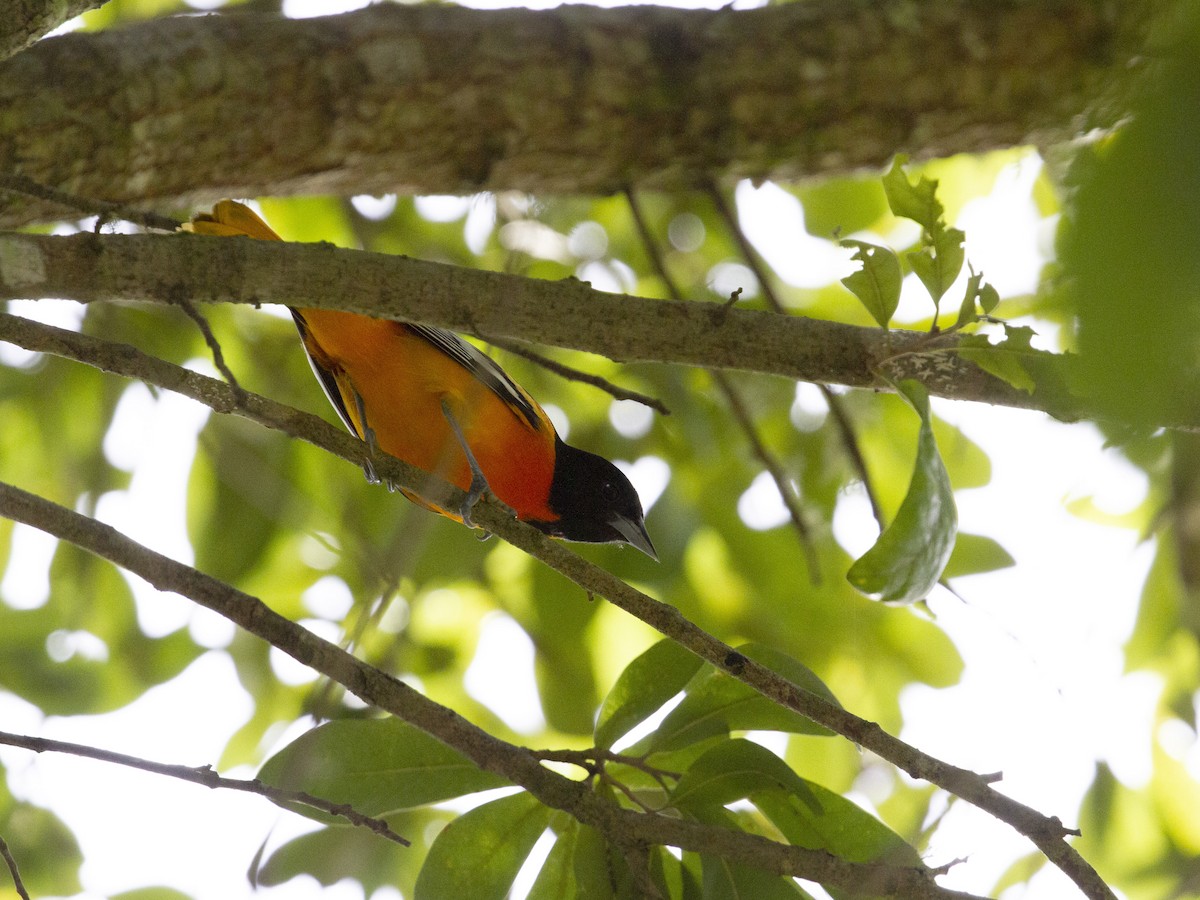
(635,534)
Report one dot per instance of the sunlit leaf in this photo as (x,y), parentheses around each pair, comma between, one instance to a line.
(976,553)
(479,854)
(831,822)
(877,283)
(733,770)
(715,704)
(906,562)
(647,683)
(375,765)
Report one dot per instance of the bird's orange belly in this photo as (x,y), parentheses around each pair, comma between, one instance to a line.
(402,382)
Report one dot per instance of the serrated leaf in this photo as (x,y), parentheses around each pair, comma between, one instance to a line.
(479,854)
(1003,360)
(376,765)
(715,704)
(974,554)
(918,201)
(647,683)
(733,770)
(877,283)
(908,559)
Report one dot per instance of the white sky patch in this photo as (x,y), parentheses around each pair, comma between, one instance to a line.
(650,476)
(501,674)
(26,583)
(374,208)
(61,313)
(151,510)
(307,9)
(480,223)
(630,419)
(726,278)
(761,507)
(442,207)
(773,220)
(329,598)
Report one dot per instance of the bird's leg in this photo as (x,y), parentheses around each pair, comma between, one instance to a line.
(368,437)
(478,481)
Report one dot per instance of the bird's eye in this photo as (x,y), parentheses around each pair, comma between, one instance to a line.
(609,491)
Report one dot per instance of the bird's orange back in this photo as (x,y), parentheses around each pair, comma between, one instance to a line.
(399,375)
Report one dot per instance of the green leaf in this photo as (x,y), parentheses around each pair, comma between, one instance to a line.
(841,205)
(733,770)
(1005,360)
(974,554)
(939,262)
(833,823)
(918,201)
(715,704)
(479,854)
(336,852)
(877,283)
(376,765)
(647,683)
(907,560)
(577,867)
(977,292)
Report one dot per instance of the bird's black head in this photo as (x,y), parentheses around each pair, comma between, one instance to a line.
(594,502)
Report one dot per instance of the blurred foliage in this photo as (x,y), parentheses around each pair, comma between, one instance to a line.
(285,522)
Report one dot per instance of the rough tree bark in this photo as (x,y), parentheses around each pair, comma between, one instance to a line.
(431,99)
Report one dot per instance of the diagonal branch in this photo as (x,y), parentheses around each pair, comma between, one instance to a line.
(1047,833)
(427,98)
(153,268)
(622,826)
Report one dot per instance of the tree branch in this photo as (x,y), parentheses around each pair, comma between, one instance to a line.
(154,268)
(622,826)
(24,21)
(439,99)
(1046,833)
(13,870)
(206,776)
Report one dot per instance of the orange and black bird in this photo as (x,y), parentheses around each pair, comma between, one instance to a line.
(428,397)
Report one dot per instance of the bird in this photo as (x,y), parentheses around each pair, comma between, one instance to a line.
(426,396)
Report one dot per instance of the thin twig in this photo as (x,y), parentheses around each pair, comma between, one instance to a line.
(19,184)
(573,374)
(769,461)
(13,870)
(840,416)
(214,346)
(208,777)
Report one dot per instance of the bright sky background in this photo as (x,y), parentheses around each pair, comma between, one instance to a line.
(1043,695)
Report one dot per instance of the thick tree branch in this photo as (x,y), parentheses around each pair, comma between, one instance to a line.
(156,268)
(519,765)
(437,99)
(1048,834)
(24,21)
